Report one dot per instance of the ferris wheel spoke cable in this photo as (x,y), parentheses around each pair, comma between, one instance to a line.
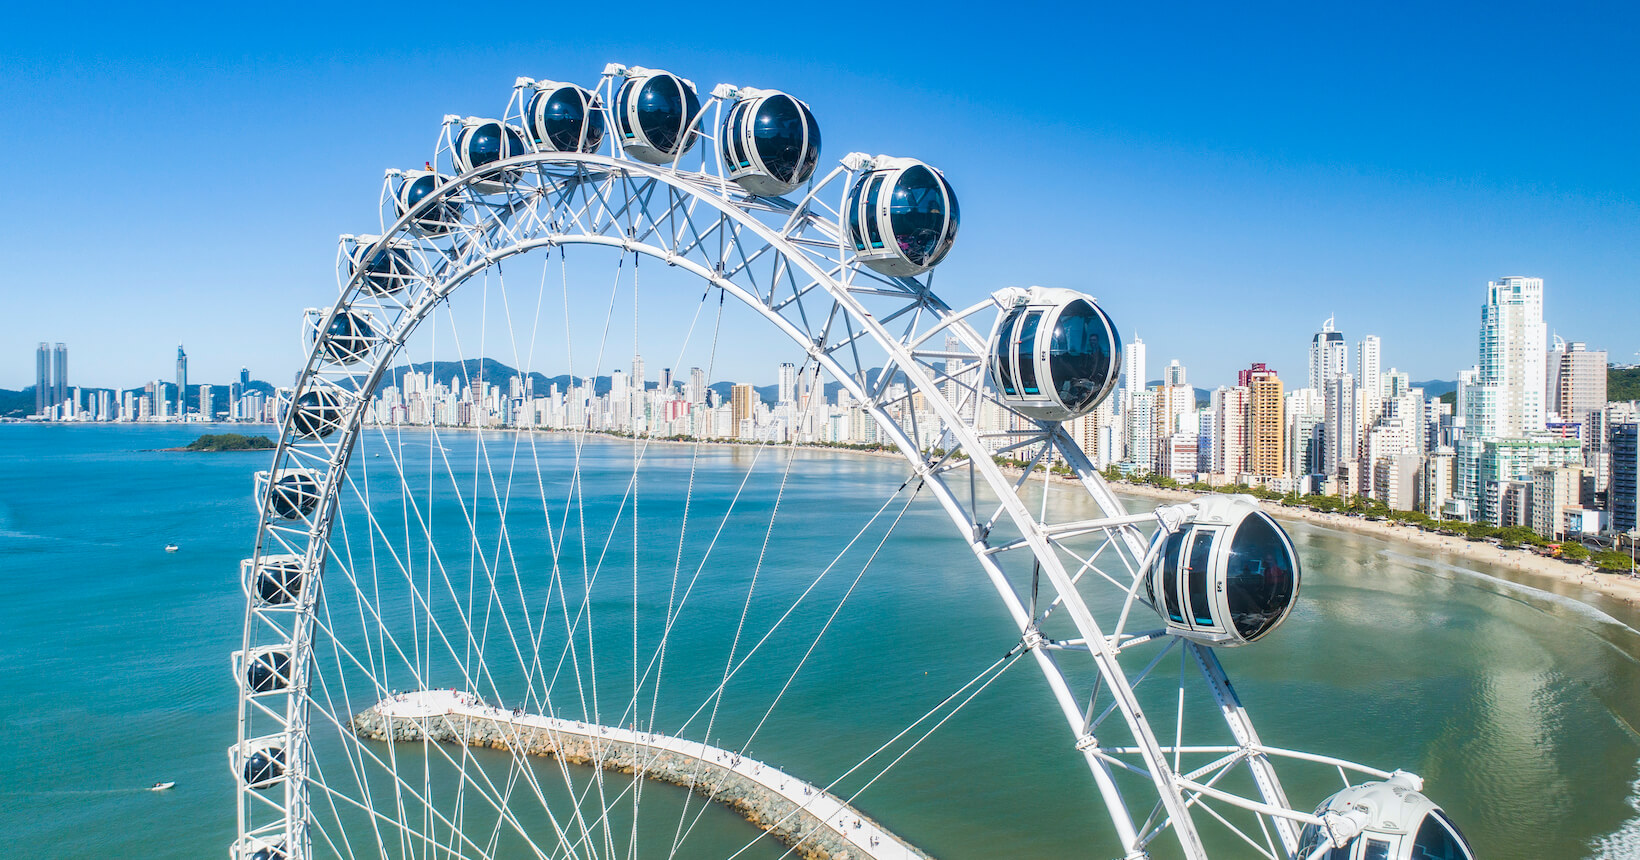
(745,745)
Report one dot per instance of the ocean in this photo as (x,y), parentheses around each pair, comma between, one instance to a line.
(1517,704)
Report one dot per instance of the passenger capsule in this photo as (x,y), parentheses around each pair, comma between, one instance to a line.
(384,271)
(771,143)
(1054,354)
(347,338)
(657,115)
(438,219)
(1388,820)
(254,848)
(318,413)
(264,766)
(564,118)
(1227,576)
(276,580)
(902,217)
(294,492)
(483,142)
(268,671)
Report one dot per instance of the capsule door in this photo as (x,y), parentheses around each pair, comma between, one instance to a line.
(1195,579)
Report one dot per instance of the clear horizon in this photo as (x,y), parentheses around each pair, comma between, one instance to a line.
(1233,178)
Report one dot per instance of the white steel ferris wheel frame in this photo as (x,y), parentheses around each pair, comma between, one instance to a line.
(816,294)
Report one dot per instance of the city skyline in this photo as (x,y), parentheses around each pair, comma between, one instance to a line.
(1173,162)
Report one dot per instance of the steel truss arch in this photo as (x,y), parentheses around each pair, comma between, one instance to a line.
(831,308)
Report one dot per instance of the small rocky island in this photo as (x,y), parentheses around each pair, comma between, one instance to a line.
(228,442)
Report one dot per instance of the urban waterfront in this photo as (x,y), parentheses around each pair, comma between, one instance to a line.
(1515,704)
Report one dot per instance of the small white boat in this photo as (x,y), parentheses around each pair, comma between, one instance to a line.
(161,786)
(171,547)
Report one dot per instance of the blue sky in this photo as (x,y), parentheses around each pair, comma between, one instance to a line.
(1222,179)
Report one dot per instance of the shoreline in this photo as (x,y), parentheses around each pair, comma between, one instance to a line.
(1537,571)
(1567,579)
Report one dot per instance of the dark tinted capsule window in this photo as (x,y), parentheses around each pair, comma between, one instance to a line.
(623,121)
(1000,358)
(1435,842)
(917,213)
(1082,355)
(483,144)
(661,112)
(874,234)
(854,217)
(811,151)
(1376,850)
(778,135)
(1170,575)
(1261,578)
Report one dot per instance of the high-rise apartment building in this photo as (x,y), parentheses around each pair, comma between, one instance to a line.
(696,390)
(1507,401)
(1230,408)
(1133,366)
(1265,422)
(1576,383)
(1368,376)
(1338,427)
(741,410)
(59,374)
(1173,374)
(1623,495)
(42,378)
(788,383)
(1305,413)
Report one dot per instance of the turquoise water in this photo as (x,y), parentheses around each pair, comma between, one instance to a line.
(1518,705)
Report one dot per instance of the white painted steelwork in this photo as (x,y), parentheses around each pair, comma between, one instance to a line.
(792,262)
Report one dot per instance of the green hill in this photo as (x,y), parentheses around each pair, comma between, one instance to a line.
(1623,383)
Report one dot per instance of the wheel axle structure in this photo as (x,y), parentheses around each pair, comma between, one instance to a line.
(841,266)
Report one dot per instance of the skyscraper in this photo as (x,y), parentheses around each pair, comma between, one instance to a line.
(1327,356)
(59,375)
(1507,399)
(42,378)
(1133,359)
(1173,374)
(696,392)
(1368,374)
(788,383)
(182,384)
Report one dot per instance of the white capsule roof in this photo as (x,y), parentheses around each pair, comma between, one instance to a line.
(1388,820)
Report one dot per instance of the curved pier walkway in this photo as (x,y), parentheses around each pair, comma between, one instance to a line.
(818,825)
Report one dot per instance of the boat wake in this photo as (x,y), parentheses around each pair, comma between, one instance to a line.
(1560,600)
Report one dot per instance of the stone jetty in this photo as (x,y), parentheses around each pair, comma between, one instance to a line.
(816,824)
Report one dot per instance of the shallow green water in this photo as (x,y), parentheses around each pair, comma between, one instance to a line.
(1518,705)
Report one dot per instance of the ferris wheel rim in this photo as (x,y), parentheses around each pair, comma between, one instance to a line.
(699,187)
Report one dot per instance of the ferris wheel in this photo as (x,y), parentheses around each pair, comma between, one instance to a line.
(533,610)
